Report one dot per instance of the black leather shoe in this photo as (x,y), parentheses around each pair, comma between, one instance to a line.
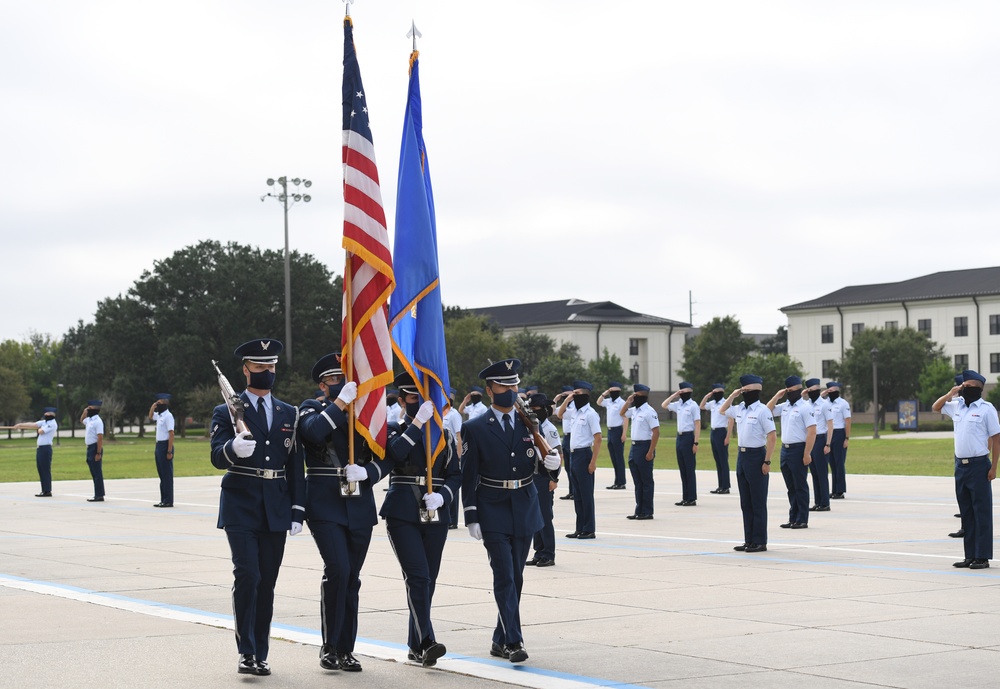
(632,516)
(819,508)
(720,491)
(545,562)
(644,517)
(800,525)
(787,525)
(754,548)
(836,496)
(979,564)
(498,651)
(164,504)
(741,548)
(613,486)
(586,536)
(963,563)
(263,669)
(686,503)
(328,658)
(958,534)
(414,655)
(532,562)
(348,663)
(246,665)
(959,515)
(453,526)
(575,534)
(429,656)
(516,653)
(43,495)
(568,496)
(95,499)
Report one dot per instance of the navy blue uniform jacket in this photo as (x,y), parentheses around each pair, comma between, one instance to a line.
(257,503)
(406,450)
(487,454)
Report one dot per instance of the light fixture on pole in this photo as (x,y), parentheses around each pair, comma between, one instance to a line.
(287,201)
(58,385)
(875,388)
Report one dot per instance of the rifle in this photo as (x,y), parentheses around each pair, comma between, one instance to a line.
(233,401)
(531,421)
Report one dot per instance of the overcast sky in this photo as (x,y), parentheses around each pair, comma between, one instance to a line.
(758,154)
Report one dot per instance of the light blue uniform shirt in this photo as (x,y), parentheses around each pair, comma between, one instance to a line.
(586,424)
(753,423)
(644,420)
(975,424)
(95,427)
(614,408)
(795,421)
(821,413)
(48,431)
(687,413)
(841,410)
(718,420)
(164,424)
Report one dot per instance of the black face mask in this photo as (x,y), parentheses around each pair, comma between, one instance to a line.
(970,394)
(262,380)
(93,412)
(49,417)
(833,395)
(614,395)
(685,396)
(750,396)
(412,408)
(161,407)
(638,401)
(475,399)
(814,395)
(581,401)
(793,396)
(390,400)
(539,414)
(504,399)
(717,396)
(334,390)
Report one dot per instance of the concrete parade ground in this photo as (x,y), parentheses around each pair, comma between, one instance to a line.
(120,594)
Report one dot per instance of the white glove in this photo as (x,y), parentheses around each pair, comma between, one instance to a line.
(244,444)
(433,501)
(295,529)
(425,412)
(476,531)
(348,393)
(551,461)
(355,472)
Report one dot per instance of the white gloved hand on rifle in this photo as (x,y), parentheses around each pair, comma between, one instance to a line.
(476,531)
(244,444)
(551,461)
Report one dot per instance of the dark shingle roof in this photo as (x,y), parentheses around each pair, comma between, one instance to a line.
(948,284)
(567,311)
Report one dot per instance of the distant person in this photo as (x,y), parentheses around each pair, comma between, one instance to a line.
(977,448)
(721,434)
(472,405)
(819,467)
(841,412)
(94,439)
(585,446)
(798,433)
(393,408)
(613,403)
(565,415)
(959,380)
(546,480)
(644,423)
(453,422)
(756,434)
(688,436)
(46,429)
(160,414)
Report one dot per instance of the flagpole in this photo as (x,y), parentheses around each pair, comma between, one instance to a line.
(428,454)
(352,486)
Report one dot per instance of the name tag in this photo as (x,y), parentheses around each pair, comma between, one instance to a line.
(750,420)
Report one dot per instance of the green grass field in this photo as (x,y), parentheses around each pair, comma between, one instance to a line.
(131,457)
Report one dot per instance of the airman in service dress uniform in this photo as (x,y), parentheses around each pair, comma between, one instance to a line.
(341,525)
(819,467)
(688,437)
(46,429)
(722,432)
(841,412)
(94,439)
(546,480)
(417,542)
(645,430)
(160,414)
(262,497)
(798,433)
(500,500)
(977,448)
(756,435)
(613,403)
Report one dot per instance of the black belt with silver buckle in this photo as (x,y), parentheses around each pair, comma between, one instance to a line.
(966,460)
(790,445)
(408,480)
(257,473)
(510,484)
(325,471)
(748,449)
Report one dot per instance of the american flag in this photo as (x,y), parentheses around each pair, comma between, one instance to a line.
(368,278)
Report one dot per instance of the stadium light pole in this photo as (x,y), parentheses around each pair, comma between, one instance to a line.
(284,197)
(875,388)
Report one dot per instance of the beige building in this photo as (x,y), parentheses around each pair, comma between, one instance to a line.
(651,349)
(959,310)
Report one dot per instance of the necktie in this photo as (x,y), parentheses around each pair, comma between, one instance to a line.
(508,427)
(262,412)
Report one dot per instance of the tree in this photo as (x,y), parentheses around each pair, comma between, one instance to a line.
(773,368)
(777,343)
(471,343)
(560,368)
(605,369)
(15,400)
(937,378)
(530,348)
(903,354)
(710,356)
(994,395)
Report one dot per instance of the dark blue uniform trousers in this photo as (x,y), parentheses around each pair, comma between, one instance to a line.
(753,494)
(569,471)
(820,472)
(418,548)
(96,470)
(720,451)
(165,470)
(583,492)
(642,476)
(256,559)
(545,539)
(685,462)
(507,555)
(975,503)
(43,460)
(343,551)
(795,473)
(616,448)
(838,461)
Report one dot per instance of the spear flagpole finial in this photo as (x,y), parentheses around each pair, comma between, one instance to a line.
(347,7)
(414,33)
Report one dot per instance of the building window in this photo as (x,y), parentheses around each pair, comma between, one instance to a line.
(828,368)
(994,363)
(924,326)
(961,362)
(961,326)
(995,324)
(633,347)
(857,328)
(826,334)
(892,325)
